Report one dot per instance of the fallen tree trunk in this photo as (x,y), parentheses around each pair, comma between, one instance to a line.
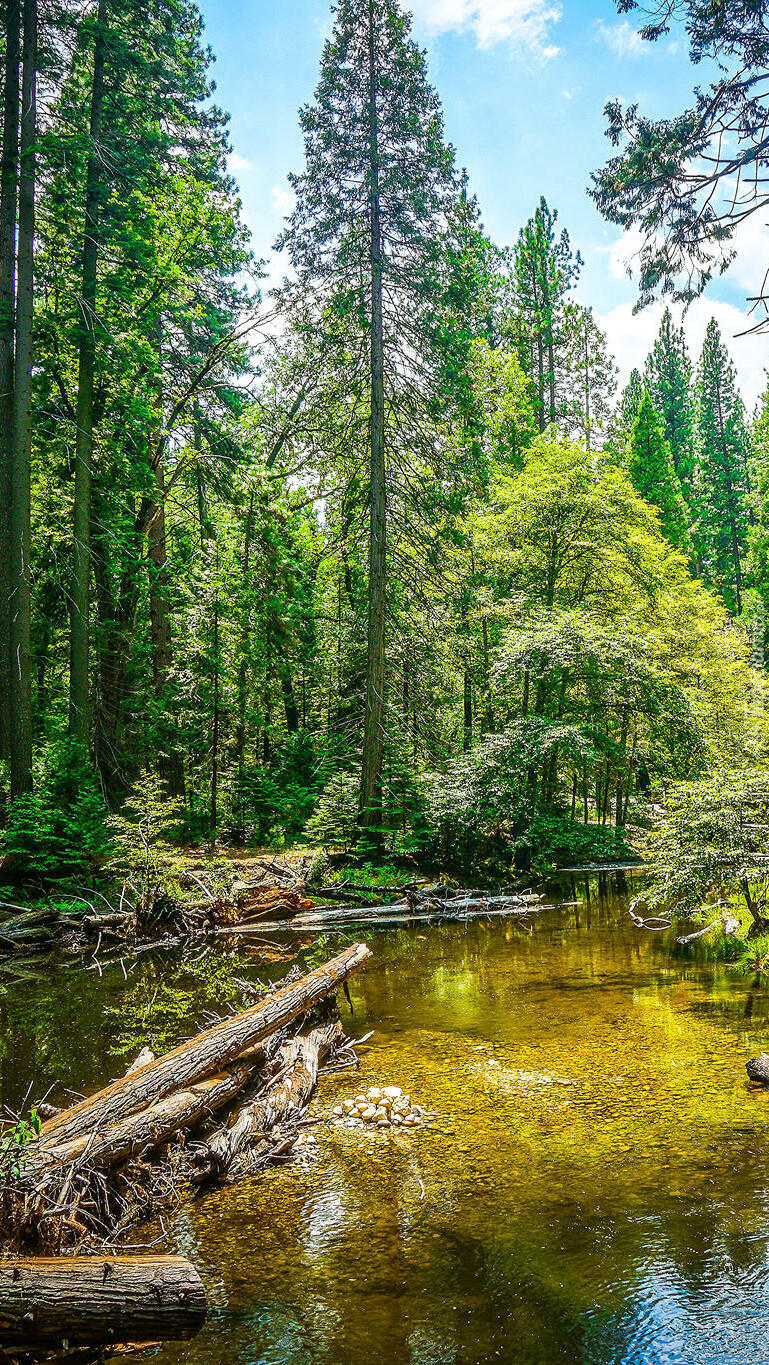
(94,1300)
(197,1058)
(457,906)
(139,1133)
(297,1074)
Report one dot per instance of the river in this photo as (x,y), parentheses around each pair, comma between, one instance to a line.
(592,1186)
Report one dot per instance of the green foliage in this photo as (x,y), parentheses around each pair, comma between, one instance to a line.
(335,818)
(61,828)
(650,462)
(722,482)
(711,846)
(669,382)
(15,1143)
(557,840)
(144,855)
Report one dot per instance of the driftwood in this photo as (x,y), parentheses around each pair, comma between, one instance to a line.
(729,924)
(124,1153)
(297,1075)
(458,905)
(194,1060)
(84,1300)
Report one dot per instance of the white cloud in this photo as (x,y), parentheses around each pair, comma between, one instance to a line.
(282,200)
(522,23)
(621,39)
(237,163)
(631,337)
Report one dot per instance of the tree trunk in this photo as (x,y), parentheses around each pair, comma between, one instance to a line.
(99,1299)
(214,814)
(203,1054)
(243,672)
(19,517)
(298,1061)
(374,720)
(136,1133)
(81,515)
(9,178)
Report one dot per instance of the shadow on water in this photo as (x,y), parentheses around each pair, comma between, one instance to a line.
(591,1189)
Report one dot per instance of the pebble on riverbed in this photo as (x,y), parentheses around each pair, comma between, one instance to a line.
(387,1107)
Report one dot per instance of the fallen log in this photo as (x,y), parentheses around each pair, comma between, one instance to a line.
(99,1300)
(457,906)
(297,1074)
(139,1133)
(200,1056)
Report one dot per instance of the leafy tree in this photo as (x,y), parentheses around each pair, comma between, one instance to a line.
(590,377)
(711,846)
(650,462)
(669,381)
(722,482)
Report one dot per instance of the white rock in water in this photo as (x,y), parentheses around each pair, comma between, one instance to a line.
(348,1106)
(392,1092)
(361,1099)
(337,1112)
(374,1093)
(368,1113)
(383,1123)
(381,1112)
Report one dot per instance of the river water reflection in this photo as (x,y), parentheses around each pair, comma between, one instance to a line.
(592,1188)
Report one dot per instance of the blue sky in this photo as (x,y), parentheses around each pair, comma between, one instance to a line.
(523,85)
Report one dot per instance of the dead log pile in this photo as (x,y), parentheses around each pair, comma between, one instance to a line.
(120,1155)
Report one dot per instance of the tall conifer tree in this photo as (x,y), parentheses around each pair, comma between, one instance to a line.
(651,469)
(669,380)
(545,268)
(365,241)
(721,483)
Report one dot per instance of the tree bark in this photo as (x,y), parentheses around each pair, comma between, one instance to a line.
(93,1299)
(299,1061)
(84,413)
(137,1133)
(203,1054)
(373,728)
(19,518)
(9,178)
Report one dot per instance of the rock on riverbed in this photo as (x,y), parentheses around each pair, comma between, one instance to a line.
(386,1107)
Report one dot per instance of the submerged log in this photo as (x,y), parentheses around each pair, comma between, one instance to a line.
(297,1075)
(200,1056)
(94,1300)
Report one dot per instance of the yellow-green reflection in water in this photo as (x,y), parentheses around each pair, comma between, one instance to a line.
(592,1188)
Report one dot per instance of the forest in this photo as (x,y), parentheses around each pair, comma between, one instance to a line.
(380,558)
(384,755)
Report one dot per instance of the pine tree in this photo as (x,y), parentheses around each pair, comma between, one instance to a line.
(650,462)
(545,269)
(669,381)
(721,481)
(590,376)
(365,239)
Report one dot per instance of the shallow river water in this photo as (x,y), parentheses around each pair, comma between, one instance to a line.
(593,1186)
